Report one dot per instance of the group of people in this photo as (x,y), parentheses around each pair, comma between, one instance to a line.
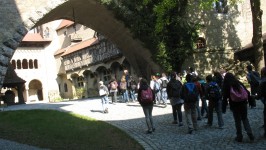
(220,90)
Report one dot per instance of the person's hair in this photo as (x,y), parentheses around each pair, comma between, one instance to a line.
(173,75)
(209,78)
(231,80)
(189,77)
(263,72)
(249,67)
(143,82)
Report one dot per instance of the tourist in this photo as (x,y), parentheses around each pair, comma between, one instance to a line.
(163,81)
(237,105)
(262,95)
(173,91)
(214,95)
(113,90)
(147,106)
(103,92)
(190,94)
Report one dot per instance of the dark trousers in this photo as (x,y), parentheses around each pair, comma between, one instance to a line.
(264,116)
(176,109)
(240,115)
(217,105)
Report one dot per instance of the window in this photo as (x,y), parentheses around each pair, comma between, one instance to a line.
(30,64)
(24,64)
(46,32)
(221,6)
(18,64)
(35,63)
(65,87)
(106,76)
(14,64)
(201,43)
(80,82)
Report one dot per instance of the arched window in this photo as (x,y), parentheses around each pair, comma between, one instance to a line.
(65,87)
(201,43)
(24,64)
(14,64)
(19,64)
(35,63)
(80,82)
(30,64)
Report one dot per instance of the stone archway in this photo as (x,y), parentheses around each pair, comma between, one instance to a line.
(20,16)
(35,91)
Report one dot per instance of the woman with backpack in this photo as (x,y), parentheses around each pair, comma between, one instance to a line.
(146,99)
(236,93)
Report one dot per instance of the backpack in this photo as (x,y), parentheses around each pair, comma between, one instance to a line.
(192,93)
(175,89)
(238,96)
(214,92)
(156,87)
(146,96)
(113,85)
(255,78)
(164,84)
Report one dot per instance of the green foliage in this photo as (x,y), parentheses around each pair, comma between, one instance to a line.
(80,92)
(162,25)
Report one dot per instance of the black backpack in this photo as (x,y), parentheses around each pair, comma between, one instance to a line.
(175,89)
(192,94)
(214,92)
(164,84)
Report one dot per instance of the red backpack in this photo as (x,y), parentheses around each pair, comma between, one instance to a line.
(146,96)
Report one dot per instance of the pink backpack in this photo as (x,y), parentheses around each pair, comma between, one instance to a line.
(146,96)
(238,96)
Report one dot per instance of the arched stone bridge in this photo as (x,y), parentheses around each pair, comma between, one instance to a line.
(19,16)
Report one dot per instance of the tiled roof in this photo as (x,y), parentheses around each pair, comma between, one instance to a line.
(76,47)
(34,37)
(65,23)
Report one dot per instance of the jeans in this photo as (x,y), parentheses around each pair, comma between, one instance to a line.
(105,102)
(240,115)
(148,116)
(204,107)
(164,95)
(176,109)
(158,97)
(125,96)
(132,95)
(198,109)
(114,97)
(217,105)
(191,116)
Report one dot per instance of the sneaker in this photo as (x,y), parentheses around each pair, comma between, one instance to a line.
(174,122)
(237,139)
(180,124)
(221,127)
(106,110)
(190,131)
(251,137)
(199,118)
(153,129)
(148,132)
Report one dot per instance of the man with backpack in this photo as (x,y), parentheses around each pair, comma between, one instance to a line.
(214,95)
(190,94)
(173,91)
(163,81)
(253,78)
